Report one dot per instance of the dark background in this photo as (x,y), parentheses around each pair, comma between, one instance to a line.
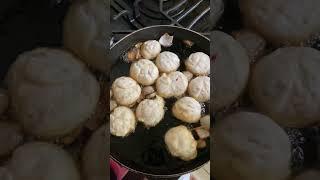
(25,25)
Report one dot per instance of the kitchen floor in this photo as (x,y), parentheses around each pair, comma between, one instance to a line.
(202,173)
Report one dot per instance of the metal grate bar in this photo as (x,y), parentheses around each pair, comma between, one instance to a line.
(122,10)
(207,10)
(189,11)
(167,15)
(185,14)
(177,6)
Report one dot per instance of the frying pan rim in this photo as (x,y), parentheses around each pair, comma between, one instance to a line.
(157,175)
(116,160)
(155,26)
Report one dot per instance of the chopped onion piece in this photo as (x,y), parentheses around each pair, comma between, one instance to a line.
(134,53)
(205,122)
(202,132)
(188,43)
(201,144)
(166,40)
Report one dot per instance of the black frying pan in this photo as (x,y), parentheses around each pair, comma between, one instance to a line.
(144,150)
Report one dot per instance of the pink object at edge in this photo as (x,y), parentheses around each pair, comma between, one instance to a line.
(118,170)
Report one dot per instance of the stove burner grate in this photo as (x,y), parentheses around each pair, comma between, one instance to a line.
(191,14)
(182,13)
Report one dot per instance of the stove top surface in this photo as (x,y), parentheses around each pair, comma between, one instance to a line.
(129,15)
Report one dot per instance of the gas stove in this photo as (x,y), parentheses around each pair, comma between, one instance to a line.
(130,15)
